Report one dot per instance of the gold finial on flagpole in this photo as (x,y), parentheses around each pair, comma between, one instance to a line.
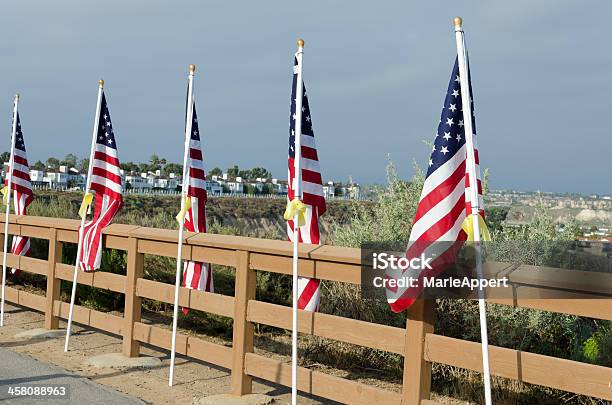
(17,96)
(101,82)
(457,21)
(191,68)
(300,43)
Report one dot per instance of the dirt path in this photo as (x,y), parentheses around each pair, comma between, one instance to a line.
(193,379)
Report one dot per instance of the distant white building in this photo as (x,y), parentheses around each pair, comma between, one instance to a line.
(166,183)
(37,176)
(76,179)
(56,179)
(213,187)
(329,190)
(280,187)
(63,178)
(235,187)
(258,186)
(138,182)
(351,191)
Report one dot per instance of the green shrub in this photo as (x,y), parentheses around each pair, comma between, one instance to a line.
(389,218)
(537,243)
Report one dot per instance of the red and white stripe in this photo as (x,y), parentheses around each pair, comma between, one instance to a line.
(107,188)
(309,289)
(436,232)
(196,275)
(22,195)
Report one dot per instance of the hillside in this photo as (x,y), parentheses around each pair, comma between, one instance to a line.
(522,214)
(248,216)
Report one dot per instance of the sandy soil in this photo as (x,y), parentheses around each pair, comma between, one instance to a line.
(193,379)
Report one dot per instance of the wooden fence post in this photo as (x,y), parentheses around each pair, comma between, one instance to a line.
(417,371)
(242,341)
(133,304)
(53,283)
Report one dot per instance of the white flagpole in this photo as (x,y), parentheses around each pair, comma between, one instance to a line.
(297,193)
(184,187)
(466,100)
(87,189)
(8,204)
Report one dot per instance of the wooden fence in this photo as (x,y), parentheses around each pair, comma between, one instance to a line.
(417,342)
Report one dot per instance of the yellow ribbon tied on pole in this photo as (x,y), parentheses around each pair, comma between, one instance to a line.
(5,194)
(468,227)
(86,205)
(180,217)
(295,207)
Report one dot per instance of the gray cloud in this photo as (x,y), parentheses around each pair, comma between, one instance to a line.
(376,74)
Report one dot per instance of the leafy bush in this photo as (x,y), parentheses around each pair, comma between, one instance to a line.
(389,218)
(537,243)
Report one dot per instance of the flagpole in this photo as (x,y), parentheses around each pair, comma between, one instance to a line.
(87,190)
(466,100)
(8,205)
(184,188)
(297,186)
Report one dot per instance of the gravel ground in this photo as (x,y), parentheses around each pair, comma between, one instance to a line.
(193,379)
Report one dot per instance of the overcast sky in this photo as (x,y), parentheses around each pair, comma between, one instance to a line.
(376,72)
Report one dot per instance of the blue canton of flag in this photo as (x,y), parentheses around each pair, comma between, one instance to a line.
(106,136)
(19,144)
(451,133)
(306,120)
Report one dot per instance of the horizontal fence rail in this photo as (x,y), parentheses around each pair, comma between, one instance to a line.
(417,342)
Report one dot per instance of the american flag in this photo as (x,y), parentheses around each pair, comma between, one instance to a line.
(445,199)
(107,189)
(196,275)
(21,187)
(312,192)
